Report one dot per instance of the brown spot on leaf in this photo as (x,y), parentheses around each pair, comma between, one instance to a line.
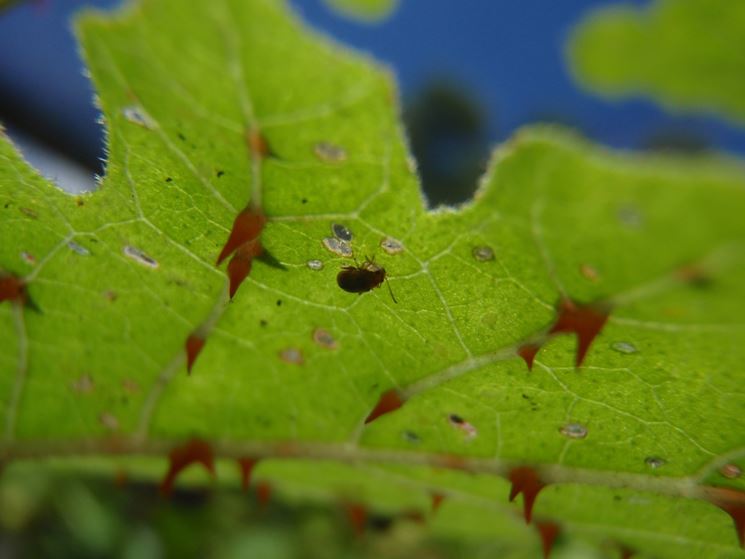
(28,212)
(452,462)
(194,345)
(437,499)
(589,272)
(525,480)
(12,289)
(357,516)
(263,494)
(246,466)
(731,501)
(548,531)
(193,452)
(258,146)
(121,477)
(389,401)
(130,386)
(287,448)
(694,275)
(247,227)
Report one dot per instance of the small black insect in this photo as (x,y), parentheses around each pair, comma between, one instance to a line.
(363,278)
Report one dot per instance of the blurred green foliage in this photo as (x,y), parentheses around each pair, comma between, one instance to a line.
(688,55)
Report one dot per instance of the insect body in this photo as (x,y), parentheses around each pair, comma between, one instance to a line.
(362,278)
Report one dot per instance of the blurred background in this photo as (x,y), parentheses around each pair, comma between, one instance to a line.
(470,73)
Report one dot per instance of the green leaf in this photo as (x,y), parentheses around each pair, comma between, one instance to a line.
(226,105)
(364,10)
(685,54)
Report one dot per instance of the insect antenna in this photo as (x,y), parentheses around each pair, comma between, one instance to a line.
(390,291)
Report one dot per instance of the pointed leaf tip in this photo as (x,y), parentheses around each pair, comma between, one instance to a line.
(194,345)
(194,452)
(548,531)
(389,401)
(525,480)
